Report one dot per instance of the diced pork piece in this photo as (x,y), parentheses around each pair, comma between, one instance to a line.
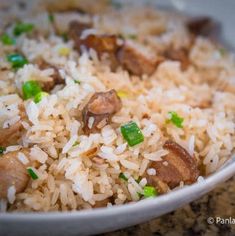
(181,55)
(135,62)
(200,25)
(119,53)
(100,43)
(9,136)
(13,173)
(76,28)
(175,167)
(56,78)
(100,108)
(107,44)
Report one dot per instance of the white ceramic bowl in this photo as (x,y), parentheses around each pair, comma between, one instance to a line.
(117,217)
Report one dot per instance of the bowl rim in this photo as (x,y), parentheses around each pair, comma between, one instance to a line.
(196,189)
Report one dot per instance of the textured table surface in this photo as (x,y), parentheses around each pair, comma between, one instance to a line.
(192,218)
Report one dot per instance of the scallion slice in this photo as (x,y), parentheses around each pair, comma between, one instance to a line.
(17,61)
(21,28)
(32,173)
(7,40)
(222,51)
(77,82)
(2,150)
(122,176)
(39,96)
(149,191)
(30,89)
(65,37)
(132,133)
(175,119)
(76,143)
(51,17)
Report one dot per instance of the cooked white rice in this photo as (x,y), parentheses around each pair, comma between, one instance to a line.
(69,180)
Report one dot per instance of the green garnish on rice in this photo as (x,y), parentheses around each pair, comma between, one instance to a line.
(2,150)
(132,133)
(222,51)
(122,176)
(51,17)
(175,119)
(77,82)
(131,36)
(76,143)
(21,28)
(30,89)
(17,60)
(65,37)
(150,191)
(32,173)
(7,40)
(39,96)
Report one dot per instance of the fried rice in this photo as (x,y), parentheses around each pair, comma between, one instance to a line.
(186,99)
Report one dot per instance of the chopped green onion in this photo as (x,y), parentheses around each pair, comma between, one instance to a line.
(51,17)
(32,173)
(30,89)
(75,144)
(2,150)
(149,191)
(21,28)
(122,176)
(138,180)
(175,119)
(7,40)
(132,133)
(131,36)
(65,37)
(222,51)
(39,96)
(17,60)
(77,81)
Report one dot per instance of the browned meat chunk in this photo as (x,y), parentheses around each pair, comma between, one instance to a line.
(135,62)
(100,43)
(100,109)
(119,53)
(9,136)
(56,78)
(76,28)
(180,55)
(175,167)
(12,173)
(200,26)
